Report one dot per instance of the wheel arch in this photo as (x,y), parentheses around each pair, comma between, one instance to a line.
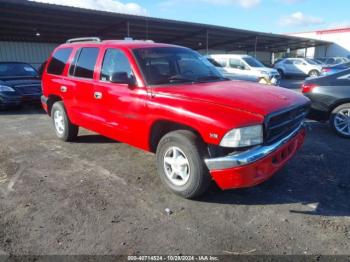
(161,127)
(336,104)
(50,101)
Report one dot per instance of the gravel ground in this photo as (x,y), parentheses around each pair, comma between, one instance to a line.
(97,196)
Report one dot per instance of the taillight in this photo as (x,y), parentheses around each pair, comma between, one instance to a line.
(307,88)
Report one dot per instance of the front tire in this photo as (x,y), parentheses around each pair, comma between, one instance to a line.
(280,71)
(180,164)
(64,129)
(340,120)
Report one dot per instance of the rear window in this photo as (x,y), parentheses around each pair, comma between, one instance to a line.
(84,62)
(58,61)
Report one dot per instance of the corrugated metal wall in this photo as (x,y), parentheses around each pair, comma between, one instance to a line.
(29,52)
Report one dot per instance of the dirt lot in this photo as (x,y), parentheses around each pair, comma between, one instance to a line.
(97,196)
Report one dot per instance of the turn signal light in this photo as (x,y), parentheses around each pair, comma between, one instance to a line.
(307,88)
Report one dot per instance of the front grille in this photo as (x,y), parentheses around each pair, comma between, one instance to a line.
(28,89)
(282,123)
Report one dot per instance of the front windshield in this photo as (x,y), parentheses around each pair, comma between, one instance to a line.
(253,62)
(17,70)
(171,65)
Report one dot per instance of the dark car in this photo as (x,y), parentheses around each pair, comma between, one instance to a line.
(19,83)
(328,70)
(330,100)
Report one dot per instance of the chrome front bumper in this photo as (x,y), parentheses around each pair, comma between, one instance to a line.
(252,155)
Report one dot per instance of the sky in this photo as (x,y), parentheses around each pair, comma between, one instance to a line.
(276,16)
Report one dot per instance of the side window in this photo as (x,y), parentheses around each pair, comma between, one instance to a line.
(236,63)
(297,62)
(58,61)
(84,62)
(115,61)
(214,62)
(288,62)
(221,61)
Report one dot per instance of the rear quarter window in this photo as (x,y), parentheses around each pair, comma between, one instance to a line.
(58,61)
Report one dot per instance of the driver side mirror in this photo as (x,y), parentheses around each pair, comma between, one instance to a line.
(122,78)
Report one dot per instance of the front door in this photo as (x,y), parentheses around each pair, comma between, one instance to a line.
(121,106)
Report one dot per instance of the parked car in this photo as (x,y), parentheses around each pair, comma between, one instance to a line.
(330,100)
(41,69)
(330,61)
(245,67)
(19,83)
(170,101)
(298,67)
(328,70)
(232,76)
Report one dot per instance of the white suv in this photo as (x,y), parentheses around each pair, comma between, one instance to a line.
(244,67)
(298,66)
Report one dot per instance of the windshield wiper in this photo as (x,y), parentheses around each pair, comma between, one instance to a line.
(208,78)
(180,79)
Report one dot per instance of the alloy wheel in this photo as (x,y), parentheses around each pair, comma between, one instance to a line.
(342,121)
(59,122)
(176,166)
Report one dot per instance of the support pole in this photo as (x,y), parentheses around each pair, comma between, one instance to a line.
(256,45)
(128,28)
(207,42)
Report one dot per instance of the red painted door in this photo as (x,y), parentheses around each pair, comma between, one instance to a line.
(81,74)
(121,106)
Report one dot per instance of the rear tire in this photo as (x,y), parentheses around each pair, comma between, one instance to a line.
(314,73)
(64,129)
(340,120)
(180,164)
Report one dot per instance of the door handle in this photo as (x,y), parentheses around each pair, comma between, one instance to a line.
(64,89)
(97,95)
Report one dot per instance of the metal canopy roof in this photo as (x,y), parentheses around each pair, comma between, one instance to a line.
(21,20)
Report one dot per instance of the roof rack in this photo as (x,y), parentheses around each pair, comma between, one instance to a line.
(84,39)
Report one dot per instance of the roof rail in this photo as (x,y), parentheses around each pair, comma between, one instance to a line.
(84,39)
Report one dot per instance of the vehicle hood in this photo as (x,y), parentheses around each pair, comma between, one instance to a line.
(25,86)
(246,96)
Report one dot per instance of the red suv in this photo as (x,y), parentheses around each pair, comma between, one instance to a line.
(171,101)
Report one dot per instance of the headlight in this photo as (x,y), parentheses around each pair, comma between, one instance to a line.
(242,137)
(6,89)
(264,72)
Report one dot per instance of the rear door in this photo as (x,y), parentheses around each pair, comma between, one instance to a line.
(81,74)
(54,81)
(288,66)
(299,67)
